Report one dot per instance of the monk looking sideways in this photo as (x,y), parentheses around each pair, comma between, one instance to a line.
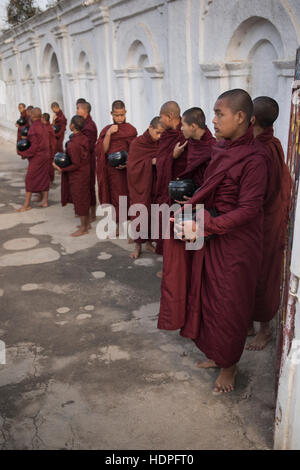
(37,177)
(141,176)
(61,122)
(234,185)
(90,131)
(75,184)
(276,213)
(112,182)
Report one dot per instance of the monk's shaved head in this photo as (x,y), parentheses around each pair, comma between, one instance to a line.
(78,122)
(46,117)
(29,108)
(85,106)
(36,113)
(195,116)
(80,100)
(266,111)
(170,108)
(156,122)
(238,100)
(118,104)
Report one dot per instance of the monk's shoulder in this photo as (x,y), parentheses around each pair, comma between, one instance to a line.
(130,128)
(104,130)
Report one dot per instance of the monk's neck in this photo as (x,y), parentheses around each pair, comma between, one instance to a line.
(199,133)
(175,124)
(257,130)
(239,133)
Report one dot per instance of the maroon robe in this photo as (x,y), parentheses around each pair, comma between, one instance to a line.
(235,185)
(90,131)
(181,267)
(37,177)
(52,146)
(276,213)
(167,169)
(112,183)
(61,122)
(75,181)
(141,175)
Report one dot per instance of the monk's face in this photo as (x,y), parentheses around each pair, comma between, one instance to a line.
(28,112)
(227,124)
(81,111)
(166,120)
(55,109)
(156,133)
(21,108)
(44,121)
(119,115)
(187,130)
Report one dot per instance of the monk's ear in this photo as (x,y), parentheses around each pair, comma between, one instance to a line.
(241,115)
(253,120)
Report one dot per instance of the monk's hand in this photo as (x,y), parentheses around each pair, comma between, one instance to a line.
(153,161)
(186,231)
(121,167)
(178,150)
(186,200)
(113,129)
(57,167)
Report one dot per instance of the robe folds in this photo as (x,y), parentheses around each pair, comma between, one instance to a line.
(90,131)
(37,176)
(112,183)
(141,175)
(52,147)
(60,121)
(168,169)
(75,181)
(276,214)
(234,185)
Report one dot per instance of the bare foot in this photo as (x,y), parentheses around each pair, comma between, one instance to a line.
(89,226)
(159,274)
(207,365)
(150,247)
(130,241)
(260,341)
(136,253)
(42,204)
(79,233)
(226,381)
(24,209)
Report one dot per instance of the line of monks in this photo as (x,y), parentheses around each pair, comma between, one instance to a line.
(213,294)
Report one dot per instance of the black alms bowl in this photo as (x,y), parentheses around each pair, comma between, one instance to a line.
(118,158)
(21,121)
(24,132)
(62,160)
(23,145)
(56,128)
(180,188)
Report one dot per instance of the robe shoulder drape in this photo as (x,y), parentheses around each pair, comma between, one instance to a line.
(91,132)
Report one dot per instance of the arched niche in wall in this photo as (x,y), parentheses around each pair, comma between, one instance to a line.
(85,77)
(28,85)
(139,73)
(51,78)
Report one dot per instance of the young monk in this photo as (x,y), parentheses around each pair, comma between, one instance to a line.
(90,131)
(112,182)
(141,176)
(80,100)
(171,156)
(75,185)
(28,114)
(22,111)
(52,143)
(180,288)
(37,177)
(60,121)
(276,213)
(234,185)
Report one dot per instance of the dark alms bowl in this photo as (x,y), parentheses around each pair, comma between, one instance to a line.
(23,145)
(62,160)
(118,158)
(180,188)
(21,121)
(56,128)
(24,132)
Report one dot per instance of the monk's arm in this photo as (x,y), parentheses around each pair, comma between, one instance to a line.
(29,153)
(106,141)
(74,153)
(252,190)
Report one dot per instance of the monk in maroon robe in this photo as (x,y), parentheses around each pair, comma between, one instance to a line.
(61,122)
(276,213)
(141,177)
(90,131)
(37,177)
(182,268)
(234,186)
(171,157)
(75,184)
(52,143)
(23,114)
(112,182)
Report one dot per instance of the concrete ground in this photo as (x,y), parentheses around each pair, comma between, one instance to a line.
(86,367)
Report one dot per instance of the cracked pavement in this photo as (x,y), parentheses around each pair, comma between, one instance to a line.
(86,367)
